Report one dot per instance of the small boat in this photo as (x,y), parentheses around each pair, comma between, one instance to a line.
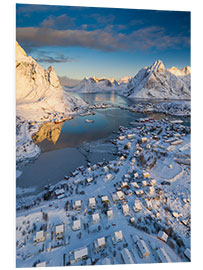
(89,121)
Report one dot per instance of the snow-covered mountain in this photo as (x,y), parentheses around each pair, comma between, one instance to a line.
(180,72)
(125,79)
(37,89)
(150,82)
(157,82)
(94,84)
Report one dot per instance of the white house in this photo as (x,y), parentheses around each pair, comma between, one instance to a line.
(110,214)
(77,205)
(92,203)
(143,248)
(144,139)
(139,192)
(124,185)
(120,195)
(76,225)
(95,218)
(162,236)
(100,243)
(59,230)
(40,237)
(118,236)
(59,192)
(126,209)
(109,177)
(137,206)
(105,199)
(163,256)
(80,254)
(89,179)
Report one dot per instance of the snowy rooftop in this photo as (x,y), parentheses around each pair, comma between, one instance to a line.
(95,218)
(100,242)
(80,253)
(59,229)
(118,235)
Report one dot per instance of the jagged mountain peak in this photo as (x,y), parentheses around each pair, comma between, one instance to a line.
(158,66)
(186,70)
(157,82)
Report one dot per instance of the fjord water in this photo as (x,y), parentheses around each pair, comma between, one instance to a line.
(66,146)
(76,142)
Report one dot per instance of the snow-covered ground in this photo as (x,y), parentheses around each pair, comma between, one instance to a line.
(152,166)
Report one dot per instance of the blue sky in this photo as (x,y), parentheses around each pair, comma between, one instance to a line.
(80,41)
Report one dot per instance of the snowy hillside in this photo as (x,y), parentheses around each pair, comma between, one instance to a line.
(37,89)
(157,82)
(94,84)
(39,98)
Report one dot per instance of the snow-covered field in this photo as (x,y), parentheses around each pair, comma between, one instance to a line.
(152,168)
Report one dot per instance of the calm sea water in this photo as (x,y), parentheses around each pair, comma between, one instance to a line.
(64,148)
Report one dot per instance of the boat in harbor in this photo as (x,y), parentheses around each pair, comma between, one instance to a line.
(89,121)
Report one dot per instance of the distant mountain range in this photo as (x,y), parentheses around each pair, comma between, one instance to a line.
(150,82)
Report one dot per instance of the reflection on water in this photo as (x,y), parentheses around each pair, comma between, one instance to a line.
(109,98)
(77,130)
(49,131)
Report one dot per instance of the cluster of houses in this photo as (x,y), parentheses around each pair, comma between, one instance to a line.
(133,192)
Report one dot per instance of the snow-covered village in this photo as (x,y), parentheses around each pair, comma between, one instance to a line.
(102,167)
